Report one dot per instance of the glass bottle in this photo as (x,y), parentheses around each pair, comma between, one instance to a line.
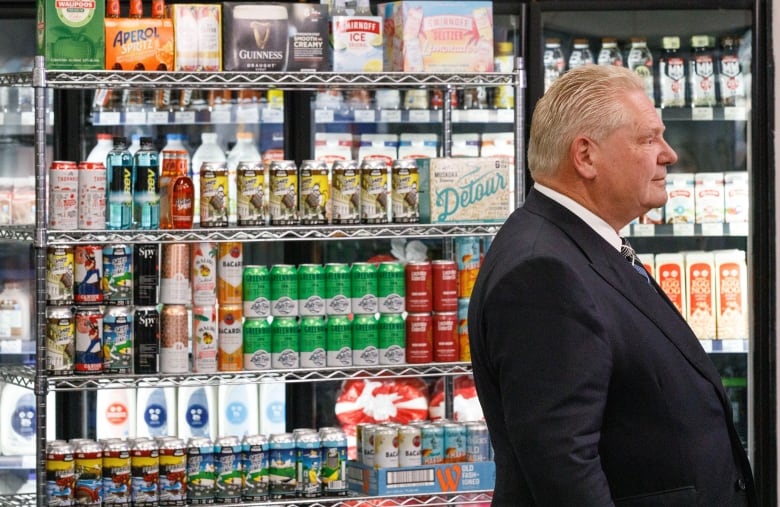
(182,199)
(363,8)
(610,53)
(174,167)
(640,60)
(733,91)
(504,96)
(580,54)
(671,72)
(554,63)
(702,71)
(146,187)
(120,174)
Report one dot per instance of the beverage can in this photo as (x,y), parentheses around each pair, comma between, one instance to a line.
(391,287)
(445,337)
(146,334)
(117,340)
(204,273)
(231,342)
(409,446)
(333,473)
(345,192)
(88,457)
(92,196)
(432,444)
(173,471)
(282,469)
(118,274)
(229,469)
(314,175)
(145,471)
(385,447)
(175,274)
(285,342)
(214,198)
(419,287)
(363,278)
(60,340)
(405,182)
(230,268)
(60,474)
(63,195)
(146,273)
(454,442)
(256,464)
(311,289)
(477,441)
(250,185)
(339,341)
(392,338)
(257,343)
(445,285)
(338,289)
(117,484)
(201,476)
(59,274)
(365,340)
(284,290)
(374,199)
(366,442)
(205,343)
(283,190)
(419,338)
(308,457)
(88,268)
(256,291)
(464,353)
(89,340)
(313,342)
(174,335)
(468,259)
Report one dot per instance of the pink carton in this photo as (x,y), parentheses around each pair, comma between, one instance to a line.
(430,36)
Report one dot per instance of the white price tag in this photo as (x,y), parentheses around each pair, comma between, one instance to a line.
(323,116)
(706,345)
(419,116)
(28,118)
(735,113)
(478,115)
(712,229)
(505,116)
(135,118)
(734,345)
(365,115)
(458,116)
(110,118)
(2,119)
(643,230)
(390,116)
(683,229)
(29,461)
(702,113)
(220,116)
(184,117)
(248,114)
(738,229)
(11,346)
(274,115)
(157,117)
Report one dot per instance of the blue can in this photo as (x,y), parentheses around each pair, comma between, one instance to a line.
(477,441)
(432,446)
(256,463)
(117,339)
(201,479)
(454,442)
(281,468)
(308,459)
(229,469)
(333,473)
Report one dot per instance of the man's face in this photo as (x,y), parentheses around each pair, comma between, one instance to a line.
(631,163)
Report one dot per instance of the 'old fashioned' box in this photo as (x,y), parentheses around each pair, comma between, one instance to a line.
(423,479)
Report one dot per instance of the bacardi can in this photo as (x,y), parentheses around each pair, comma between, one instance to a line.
(117,484)
(339,344)
(59,275)
(363,277)
(146,274)
(385,447)
(445,285)
(284,291)
(60,340)
(365,340)
(256,292)
(338,289)
(118,274)
(118,339)
(374,198)
(201,476)
(285,336)
(231,342)
(419,287)
(314,192)
(405,182)
(392,339)
(60,474)
(454,442)
(88,456)
(432,444)
(250,184)
(345,192)
(89,340)
(204,273)
(92,196)
(88,261)
(230,267)
(63,195)
(283,190)
(366,442)
(256,460)
(333,473)
(391,285)
(419,338)
(446,346)
(257,344)
(282,470)
(174,334)
(313,342)
(311,289)
(409,446)
(175,274)
(214,195)
(145,471)
(205,339)
(146,334)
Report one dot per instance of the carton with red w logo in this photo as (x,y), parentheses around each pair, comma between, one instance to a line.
(424,479)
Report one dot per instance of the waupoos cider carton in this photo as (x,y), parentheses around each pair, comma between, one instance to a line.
(70,33)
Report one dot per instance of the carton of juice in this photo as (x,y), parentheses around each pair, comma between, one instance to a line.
(700,275)
(736,195)
(709,198)
(680,207)
(70,33)
(670,275)
(731,294)
(139,44)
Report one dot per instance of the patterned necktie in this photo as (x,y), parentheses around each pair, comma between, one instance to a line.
(630,254)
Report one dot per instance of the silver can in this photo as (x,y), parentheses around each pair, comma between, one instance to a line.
(314,190)
(374,196)
(173,471)
(60,340)
(282,481)
(229,469)
(405,184)
(333,474)
(256,463)
(345,192)
(59,275)
(385,447)
(201,478)
(409,446)
(283,190)
(477,441)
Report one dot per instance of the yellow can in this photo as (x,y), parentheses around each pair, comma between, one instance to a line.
(230,271)
(214,195)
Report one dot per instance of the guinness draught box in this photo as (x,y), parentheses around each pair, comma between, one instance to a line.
(268,37)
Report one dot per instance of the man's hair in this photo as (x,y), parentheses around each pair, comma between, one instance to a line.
(584,101)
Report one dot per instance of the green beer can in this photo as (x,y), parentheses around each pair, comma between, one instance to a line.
(257,344)
(285,342)
(311,289)
(338,289)
(256,286)
(284,291)
(339,341)
(392,339)
(391,287)
(363,277)
(365,340)
(314,339)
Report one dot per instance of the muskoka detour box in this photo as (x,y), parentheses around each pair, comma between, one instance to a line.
(423,479)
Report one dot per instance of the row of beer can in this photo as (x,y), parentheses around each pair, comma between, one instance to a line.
(173,472)
(392,445)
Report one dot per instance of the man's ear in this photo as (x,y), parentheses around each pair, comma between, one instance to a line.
(583,152)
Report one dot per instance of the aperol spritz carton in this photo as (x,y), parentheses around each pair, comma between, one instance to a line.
(70,33)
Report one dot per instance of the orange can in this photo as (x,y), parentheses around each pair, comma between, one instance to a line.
(231,341)
(230,270)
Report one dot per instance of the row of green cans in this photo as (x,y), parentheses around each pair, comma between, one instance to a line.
(316,342)
(332,289)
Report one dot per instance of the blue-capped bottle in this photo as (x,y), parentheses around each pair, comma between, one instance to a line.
(146,187)
(120,175)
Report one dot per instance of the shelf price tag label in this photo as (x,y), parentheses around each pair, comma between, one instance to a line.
(419,116)
(738,229)
(184,117)
(157,117)
(702,113)
(135,118)
(734,345)
(644,230)
(220,116)
(248,114)
(714,229)
(28,118)
(505,116)
(323,116)
(706,345)
(390,116)
(478,115)
(11,346)
(683,229)
(738,113)
(109,118)
(365,115)
(273,115)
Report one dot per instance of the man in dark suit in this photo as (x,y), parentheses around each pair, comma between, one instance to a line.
(595,390)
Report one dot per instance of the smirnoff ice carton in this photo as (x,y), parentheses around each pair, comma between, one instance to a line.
(680,207)
(736,196)
(709,198)
(357,44)
(648,261)
(670,275)
(700,274)
(731,295)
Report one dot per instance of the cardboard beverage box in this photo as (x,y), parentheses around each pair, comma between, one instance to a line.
(139,44)
(465,189)
(423,479)
(198,30)
(431,36)
(357,44)
(269,37)
(70,33)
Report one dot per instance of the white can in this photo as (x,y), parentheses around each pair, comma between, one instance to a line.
(204,274)
(385,447)
(63,195)
(367,434)
(409,446)
(205,343)
(92,196)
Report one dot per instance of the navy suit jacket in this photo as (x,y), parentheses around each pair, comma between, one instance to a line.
(595,389)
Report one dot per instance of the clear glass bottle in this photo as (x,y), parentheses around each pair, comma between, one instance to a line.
(146,187)
(640,60)
(610,53)
(701,73)
(120,175)
(363,8)
(580,54)
(733,90)
(671,72)
(554,62)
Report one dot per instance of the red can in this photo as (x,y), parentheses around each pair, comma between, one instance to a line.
(419,338)
(445,286)
(446,345)
(419,287)
(88,270)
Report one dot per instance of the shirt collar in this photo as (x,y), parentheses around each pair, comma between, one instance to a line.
(595,222)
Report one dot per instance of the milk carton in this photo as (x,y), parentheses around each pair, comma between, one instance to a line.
(115,413)
(333,146)
(156,412)
(700,278)
(670,275)
(272,406)
(680,207)
(238,410)
(709,198)
(418,146)
(465,145)
(736,194)
(379,146)
(731,294)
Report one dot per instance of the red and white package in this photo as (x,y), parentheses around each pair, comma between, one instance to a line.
(465,404)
